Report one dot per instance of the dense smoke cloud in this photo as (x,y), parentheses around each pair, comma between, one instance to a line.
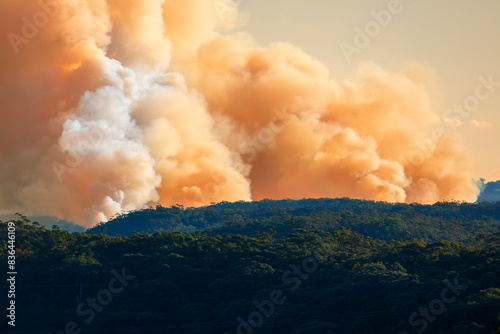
(119,104)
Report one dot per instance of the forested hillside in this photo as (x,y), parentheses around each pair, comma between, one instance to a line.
(490,192)
(308,282)
(384,221)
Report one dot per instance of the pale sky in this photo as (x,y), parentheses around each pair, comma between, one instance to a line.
(459,40)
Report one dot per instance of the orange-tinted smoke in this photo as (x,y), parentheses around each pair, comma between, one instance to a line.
(115,105)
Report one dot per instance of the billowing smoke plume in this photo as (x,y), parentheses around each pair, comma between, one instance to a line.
(111,105)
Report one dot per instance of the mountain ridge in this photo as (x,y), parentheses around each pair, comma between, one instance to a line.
(451,221)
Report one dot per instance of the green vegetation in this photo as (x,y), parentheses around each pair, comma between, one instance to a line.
(332,280)
(383,221)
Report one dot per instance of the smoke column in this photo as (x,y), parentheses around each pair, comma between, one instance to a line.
(111,105)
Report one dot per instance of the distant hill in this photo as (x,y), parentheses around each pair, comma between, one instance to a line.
(226,217)
(380,220)
(490,192)
(48,222)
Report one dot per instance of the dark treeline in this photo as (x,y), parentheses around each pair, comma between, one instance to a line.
(450,221)
(308,281)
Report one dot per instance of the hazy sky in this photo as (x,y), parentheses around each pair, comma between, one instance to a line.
(129,104)
(459,40)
